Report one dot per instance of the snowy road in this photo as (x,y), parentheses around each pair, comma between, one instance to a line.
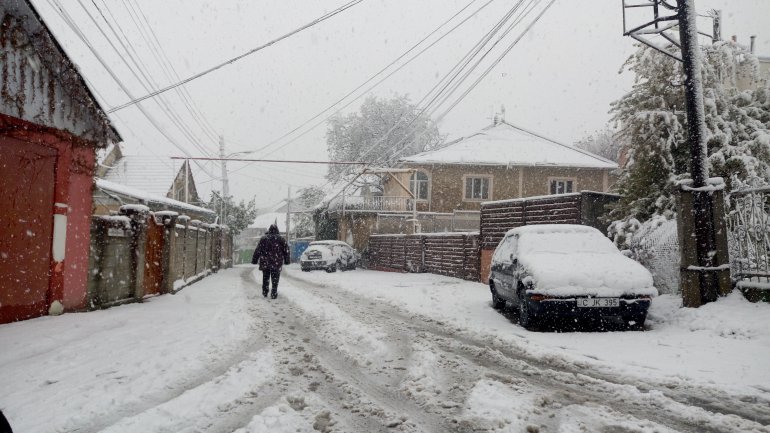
(329,356)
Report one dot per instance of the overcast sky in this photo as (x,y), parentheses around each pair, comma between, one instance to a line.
(559,80)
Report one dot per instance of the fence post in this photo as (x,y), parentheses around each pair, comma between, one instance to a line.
(138,215)
(170,245)
(699,284)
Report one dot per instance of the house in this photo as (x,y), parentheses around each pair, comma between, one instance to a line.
(442,189)
(50,128)
(155,175)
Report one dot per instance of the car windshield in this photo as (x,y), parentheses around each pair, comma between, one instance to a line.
(565,242)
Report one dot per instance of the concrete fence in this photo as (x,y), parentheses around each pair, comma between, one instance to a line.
(451,254)
(140,253)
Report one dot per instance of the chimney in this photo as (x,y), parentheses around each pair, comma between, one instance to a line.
(753,41)
(495,120)
(502,113)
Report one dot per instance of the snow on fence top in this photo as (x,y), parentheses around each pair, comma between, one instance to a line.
(504,144)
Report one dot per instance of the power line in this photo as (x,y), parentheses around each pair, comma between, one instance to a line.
(140,67)
(74,27)
(234,59)
(370,79)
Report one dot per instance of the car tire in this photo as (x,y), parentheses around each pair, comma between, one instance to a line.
(352,266)
(498,303)
(526,318)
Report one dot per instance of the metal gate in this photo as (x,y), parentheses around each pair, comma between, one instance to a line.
(749,224)
(26,224)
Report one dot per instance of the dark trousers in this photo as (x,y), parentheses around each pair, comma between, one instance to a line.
(270,275)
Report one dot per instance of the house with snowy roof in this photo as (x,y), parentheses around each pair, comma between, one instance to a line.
(502,161)
(443,188)
(156,182)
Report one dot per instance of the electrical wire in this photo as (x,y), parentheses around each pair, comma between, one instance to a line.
(76,29)
(234,59)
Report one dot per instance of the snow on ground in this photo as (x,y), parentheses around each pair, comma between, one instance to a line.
(720,345)
(62,372)
(373,351)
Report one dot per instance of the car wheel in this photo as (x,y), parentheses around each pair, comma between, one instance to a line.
(498,303)
(340,267)
(352,266)
(526,319)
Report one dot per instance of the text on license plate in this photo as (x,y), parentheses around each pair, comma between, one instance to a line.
(598,302)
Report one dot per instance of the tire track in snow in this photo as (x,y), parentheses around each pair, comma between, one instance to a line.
(687,414)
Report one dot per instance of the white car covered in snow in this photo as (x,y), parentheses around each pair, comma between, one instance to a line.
(556,272)
(330,256)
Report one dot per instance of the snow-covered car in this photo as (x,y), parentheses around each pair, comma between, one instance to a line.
(330,256)
(556,272)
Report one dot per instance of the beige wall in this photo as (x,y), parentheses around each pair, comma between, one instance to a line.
(447,183)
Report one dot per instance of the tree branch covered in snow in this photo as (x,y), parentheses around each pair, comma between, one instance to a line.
(653,123)
(364,136)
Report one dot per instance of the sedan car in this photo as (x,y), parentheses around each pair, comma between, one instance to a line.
(555,272)
(330,256)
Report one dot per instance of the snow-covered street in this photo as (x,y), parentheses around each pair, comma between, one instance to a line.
(367,351)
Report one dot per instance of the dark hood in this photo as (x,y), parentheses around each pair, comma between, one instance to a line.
(273,230)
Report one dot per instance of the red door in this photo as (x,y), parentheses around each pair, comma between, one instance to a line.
(26,220)
(153,258)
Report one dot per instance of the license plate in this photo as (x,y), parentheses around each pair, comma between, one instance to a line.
(598,302)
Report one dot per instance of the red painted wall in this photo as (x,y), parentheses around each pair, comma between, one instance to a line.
(78,228)
(72,187)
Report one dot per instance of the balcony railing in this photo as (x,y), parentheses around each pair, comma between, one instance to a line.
(373,204)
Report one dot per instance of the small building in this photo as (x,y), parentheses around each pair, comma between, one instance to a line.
(152,174)
(442,189)
(50,128)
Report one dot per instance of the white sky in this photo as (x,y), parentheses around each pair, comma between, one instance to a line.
(558,80)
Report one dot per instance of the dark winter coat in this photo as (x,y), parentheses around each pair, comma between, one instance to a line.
(272,252)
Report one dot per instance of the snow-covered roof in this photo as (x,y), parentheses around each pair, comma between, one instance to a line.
(505,144)
(152,174)
(265,220)
(147,196)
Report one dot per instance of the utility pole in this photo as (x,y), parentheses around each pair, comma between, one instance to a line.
(704,274)
(288,216)
(225,182)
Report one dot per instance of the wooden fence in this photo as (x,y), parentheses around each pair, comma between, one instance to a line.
(451,254)
(586,208)
(141,253)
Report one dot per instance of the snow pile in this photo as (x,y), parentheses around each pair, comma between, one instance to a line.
(731,317)
(567,260)
(495,406)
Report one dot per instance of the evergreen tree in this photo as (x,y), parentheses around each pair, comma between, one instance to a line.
(653,124)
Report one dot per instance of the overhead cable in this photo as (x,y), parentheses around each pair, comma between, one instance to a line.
(234,59)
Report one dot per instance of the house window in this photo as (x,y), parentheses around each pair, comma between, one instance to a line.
(418,185)
(562,186)
(477,188)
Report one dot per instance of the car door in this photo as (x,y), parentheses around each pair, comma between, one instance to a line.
(502,267)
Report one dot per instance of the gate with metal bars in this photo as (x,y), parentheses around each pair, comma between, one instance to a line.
(749,229)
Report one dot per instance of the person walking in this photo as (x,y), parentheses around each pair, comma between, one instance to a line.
(271,253)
